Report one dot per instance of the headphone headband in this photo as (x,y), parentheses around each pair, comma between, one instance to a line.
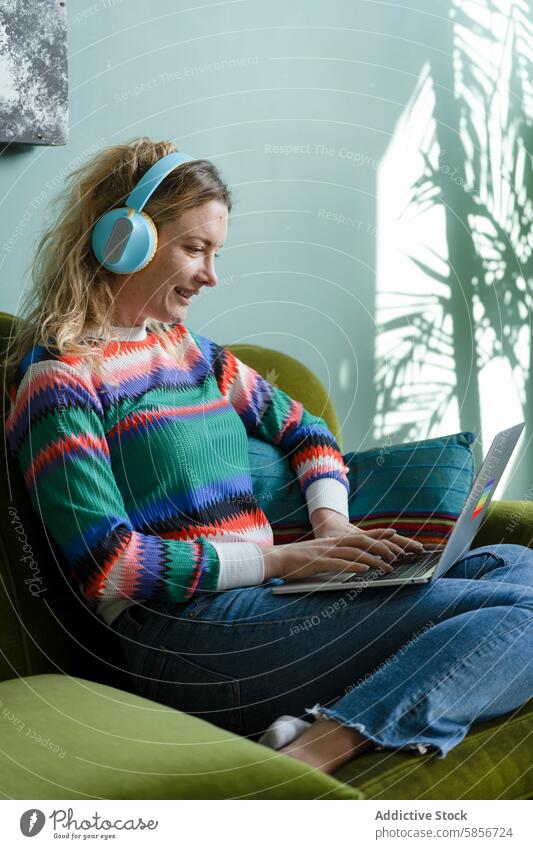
(155,175)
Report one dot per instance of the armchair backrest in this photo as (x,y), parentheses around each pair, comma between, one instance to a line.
(44,624)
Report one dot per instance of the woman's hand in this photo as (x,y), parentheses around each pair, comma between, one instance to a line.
(328,523)
(353,551)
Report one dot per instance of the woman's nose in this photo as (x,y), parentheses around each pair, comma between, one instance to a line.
(208,274)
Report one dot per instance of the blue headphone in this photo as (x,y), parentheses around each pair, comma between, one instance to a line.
(124,239)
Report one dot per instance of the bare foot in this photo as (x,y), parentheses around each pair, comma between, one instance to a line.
(327,745)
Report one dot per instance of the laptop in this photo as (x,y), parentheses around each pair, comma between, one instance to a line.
(411,568)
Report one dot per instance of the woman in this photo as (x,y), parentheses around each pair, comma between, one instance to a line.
(131,432)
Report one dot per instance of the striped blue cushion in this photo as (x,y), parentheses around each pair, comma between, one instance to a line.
(419,488)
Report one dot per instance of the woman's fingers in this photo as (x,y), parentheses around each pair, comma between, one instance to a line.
(364,557)
(387,537)
(366,542)
(348,567)
(357,552)
(408,543)
(395,539)
(363,563)
(396,549)
(334,566)
(332,559)
(380,532)
(383,542)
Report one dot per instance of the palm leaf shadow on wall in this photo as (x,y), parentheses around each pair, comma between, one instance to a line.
(477,165)
(33,72)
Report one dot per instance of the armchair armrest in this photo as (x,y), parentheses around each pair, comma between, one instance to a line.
(508,522)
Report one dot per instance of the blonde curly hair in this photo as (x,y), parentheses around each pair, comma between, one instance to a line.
(71,290)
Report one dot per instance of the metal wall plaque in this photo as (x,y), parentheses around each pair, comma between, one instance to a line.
(33,72)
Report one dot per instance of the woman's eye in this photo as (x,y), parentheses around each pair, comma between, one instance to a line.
(199,250)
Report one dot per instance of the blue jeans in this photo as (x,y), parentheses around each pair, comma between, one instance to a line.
(409,667)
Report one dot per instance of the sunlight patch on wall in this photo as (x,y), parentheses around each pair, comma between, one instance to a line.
(501,408)
(415,367)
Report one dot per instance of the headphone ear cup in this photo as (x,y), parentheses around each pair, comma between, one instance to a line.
(124,240)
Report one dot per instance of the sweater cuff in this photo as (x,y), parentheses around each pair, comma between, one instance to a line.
(241,564)
(327,492)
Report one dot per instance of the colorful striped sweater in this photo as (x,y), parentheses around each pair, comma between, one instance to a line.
(141,474)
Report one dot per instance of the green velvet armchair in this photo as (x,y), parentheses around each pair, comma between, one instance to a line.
(70,728)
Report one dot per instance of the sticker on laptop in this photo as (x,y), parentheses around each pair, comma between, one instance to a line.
(484,495)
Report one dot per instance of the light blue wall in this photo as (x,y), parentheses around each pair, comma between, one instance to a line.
(240,83)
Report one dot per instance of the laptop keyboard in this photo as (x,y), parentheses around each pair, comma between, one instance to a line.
(407,565)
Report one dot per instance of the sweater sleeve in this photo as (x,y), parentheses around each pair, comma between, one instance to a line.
(270,414)
(55,431)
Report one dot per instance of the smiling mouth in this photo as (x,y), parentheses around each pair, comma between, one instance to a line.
(184,295)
